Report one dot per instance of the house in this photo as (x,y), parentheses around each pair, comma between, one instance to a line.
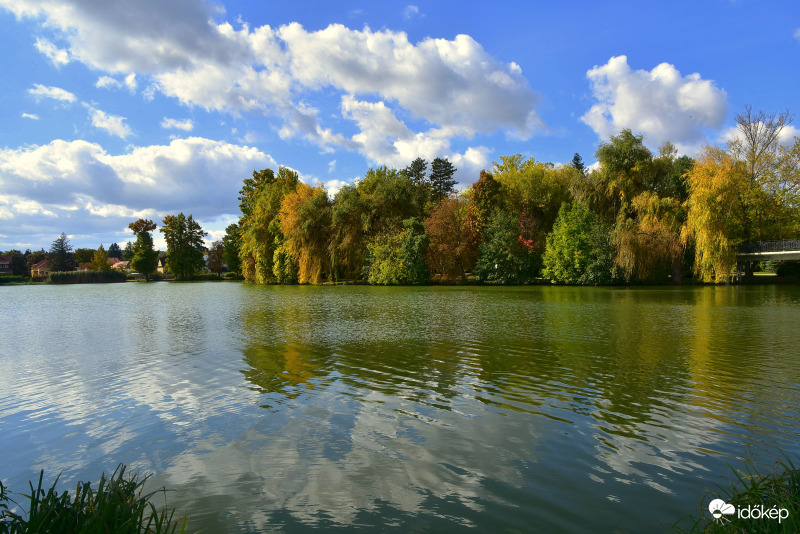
(161,264)
(85,266)
(112,261)
(41,269)
(122,265)
(5,264)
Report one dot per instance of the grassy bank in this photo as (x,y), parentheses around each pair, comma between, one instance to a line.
(118,505)
(752,494)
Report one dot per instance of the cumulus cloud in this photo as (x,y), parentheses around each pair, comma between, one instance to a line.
(661,103)
(101,192)
(186,124)
(55,93)
(452,88)
(112,124)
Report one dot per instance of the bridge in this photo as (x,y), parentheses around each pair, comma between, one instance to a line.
(787,249)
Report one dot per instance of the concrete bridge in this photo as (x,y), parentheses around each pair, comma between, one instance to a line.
(787,249)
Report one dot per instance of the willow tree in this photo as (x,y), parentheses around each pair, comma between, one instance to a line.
(259,226)
(305,220)
(717,185)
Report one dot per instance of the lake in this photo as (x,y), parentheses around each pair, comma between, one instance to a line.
(429,409)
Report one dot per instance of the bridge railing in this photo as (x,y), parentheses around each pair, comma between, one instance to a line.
(770,246)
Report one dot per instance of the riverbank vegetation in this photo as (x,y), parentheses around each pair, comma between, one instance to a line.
(778,490)
(633,217)
(118,505)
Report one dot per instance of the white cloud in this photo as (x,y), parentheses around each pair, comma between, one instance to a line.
(101,192)
(106,82)
(30,116)
(113,124)
(438,88)
(410,12)
(785,138)
(186,124)
(797,34)
(55,93)
(57,56)
(661,104)
(331,166)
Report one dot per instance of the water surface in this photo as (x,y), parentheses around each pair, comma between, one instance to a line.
(296,408)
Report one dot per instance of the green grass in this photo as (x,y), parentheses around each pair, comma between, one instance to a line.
(778,489)
(118,505)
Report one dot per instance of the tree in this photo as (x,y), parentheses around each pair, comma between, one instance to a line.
(260,231)
(417,172)
(577,163)
(100,260)
(18,264)
(185,246)
(578,250)
(127,252)
(484,197)
(114,251)
(441,179)
(231,242)
(399,258)
(502,256)
(61,254)
(305,220)
(83,255)
(216,257)
(145,257)
(453,247)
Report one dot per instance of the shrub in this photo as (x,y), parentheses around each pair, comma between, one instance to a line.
(118,505)
(13,279)
(87,277)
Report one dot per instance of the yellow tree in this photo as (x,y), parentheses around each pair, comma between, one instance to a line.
(717,185)
(305,220)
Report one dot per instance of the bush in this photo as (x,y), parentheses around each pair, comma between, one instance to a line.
(118,505)
(205,277)
(87,277)
(13,279)
(232,276)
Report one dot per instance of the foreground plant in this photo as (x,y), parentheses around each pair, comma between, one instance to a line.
(119,505)
(754,502)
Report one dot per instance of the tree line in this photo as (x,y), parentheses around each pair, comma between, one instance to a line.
(185,255)
(635,216)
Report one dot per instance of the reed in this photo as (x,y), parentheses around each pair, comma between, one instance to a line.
(749,488)
(87,277)
(118,505)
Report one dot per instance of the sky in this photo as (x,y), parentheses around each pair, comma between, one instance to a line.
(115,110)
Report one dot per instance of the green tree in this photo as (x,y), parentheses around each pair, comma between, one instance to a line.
(185,246)
(399,258)
(83,255)
(231,242)
(260,231)
(349,216)
(502,256)
(114,251)
(127,252)
(61,254)
(579,249)
(100,260)
(145,257)
(441,179)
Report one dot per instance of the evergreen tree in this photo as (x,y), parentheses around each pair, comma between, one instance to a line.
(61,254)
(114,251)
(442,181)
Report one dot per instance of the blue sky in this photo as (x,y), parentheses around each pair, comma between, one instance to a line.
(118,110)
